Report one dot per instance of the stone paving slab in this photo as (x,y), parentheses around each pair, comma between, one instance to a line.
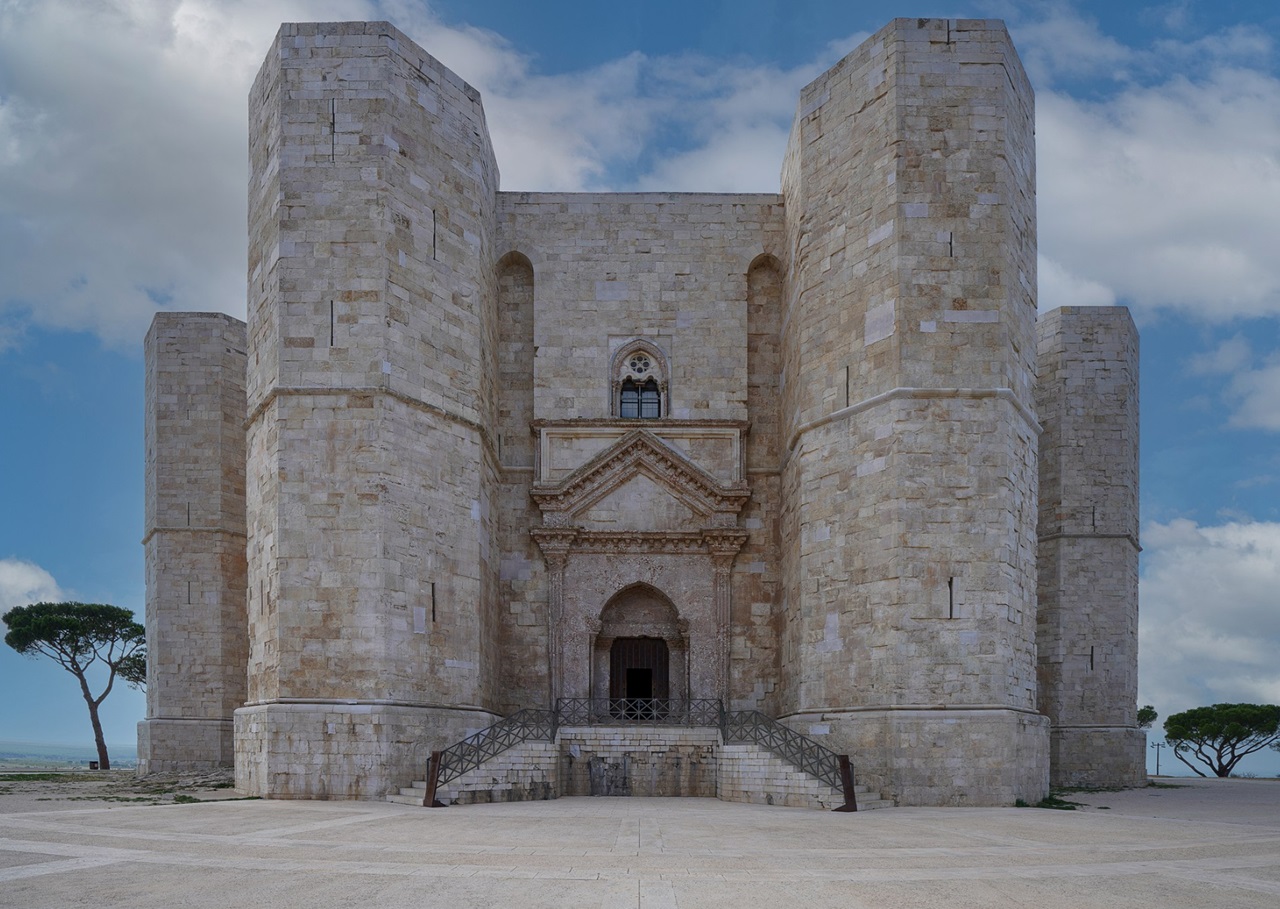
(1206,844)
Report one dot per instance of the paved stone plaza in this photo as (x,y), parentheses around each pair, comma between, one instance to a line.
(1208,844)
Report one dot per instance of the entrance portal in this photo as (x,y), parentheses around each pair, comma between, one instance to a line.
(640,651)
(639,678)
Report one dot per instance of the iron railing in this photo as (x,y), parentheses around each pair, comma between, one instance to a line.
(474,750)
(752,726)
(639,712)
(796,749)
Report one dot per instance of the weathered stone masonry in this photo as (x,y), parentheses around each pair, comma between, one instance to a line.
(477,450)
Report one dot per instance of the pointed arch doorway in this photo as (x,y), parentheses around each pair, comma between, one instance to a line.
(640,653)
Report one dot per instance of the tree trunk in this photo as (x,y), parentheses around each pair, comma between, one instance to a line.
(104,762)
(1188,763)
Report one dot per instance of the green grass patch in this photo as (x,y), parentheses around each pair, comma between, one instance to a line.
(181,799)
(1052,800)
(49,778)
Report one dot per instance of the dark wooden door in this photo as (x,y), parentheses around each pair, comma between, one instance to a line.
(640,668)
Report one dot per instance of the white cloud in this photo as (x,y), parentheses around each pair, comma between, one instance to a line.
(1168,196)
(1255,394)
(1160,187)
(1059,287)
(123,135)
(1227,357)
(1065,43)
(1175,16)
(23,583)
(1251,392)
(122,156)
(1210,627)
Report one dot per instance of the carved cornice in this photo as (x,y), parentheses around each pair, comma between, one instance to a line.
(610,542)
(638,452)
(554,542)
(559,543)
(725,542)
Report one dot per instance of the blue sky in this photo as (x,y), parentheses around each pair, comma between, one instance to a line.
(122,191)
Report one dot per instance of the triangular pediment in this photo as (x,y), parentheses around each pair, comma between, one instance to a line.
(640,503)
(608,477)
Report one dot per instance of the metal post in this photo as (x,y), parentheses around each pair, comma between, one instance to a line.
(433,780)
(1157,746)
(846,780)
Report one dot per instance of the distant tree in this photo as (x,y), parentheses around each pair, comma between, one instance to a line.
(1221,735)
(1146,716)
(78,635)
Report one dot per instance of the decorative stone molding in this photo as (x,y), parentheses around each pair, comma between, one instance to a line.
(640,452)
(555,549)
(710,550)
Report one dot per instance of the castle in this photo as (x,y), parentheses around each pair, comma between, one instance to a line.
(809,452)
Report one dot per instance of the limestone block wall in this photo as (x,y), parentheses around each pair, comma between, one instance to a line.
(1087,399)
(372,331)
(327,750)
(610,267)
(909,488)
(522,672)
(697,275)
(194,540)
(638,761)
(757,617)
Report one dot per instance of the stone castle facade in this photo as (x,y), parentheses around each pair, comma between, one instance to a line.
(809,452)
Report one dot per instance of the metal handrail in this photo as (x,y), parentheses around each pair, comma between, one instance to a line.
(639,712)
(793,747)
(752,726)
(474,750)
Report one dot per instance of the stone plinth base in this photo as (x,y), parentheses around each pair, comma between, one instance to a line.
(169,744)
(341,750)
(638,760)
(1097,757)
(945,757)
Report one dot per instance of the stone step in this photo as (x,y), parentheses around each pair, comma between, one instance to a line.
(754,775)
(401,798)
(874,804)
(414,793)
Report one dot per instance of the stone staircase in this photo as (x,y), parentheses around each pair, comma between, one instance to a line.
(523,773)
(636,760)
(749,773)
